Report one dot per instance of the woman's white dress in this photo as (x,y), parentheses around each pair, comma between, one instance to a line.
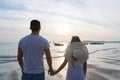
(75,72)
(75,68)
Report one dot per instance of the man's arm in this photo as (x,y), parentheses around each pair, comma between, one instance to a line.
(49,60)
(85,67)
(20,58)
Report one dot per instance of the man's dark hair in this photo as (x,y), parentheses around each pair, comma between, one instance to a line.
(75,39)
(35,25)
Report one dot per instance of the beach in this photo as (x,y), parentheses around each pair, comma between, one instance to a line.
(11,71)
(103,62)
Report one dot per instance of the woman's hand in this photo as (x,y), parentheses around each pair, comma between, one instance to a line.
(54,73)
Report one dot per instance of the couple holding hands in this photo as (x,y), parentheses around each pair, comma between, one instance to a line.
(32,47)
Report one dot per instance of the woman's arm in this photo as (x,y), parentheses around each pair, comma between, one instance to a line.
(85,67)
(61,67)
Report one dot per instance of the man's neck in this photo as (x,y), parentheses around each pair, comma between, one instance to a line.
(35,32)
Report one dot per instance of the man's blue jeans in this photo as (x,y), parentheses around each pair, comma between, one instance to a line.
(26,76)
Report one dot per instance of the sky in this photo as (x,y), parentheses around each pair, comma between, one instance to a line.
(61,19)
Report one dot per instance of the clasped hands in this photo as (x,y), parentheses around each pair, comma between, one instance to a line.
(52,72)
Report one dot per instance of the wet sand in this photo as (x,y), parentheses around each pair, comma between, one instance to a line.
(11,71)
(98,73)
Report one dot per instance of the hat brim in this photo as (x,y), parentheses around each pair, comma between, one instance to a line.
(72,47)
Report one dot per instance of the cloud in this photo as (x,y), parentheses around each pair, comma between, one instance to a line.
(94,15)
(99,12)
(104,12)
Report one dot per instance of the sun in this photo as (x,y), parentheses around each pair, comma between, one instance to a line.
(63,29)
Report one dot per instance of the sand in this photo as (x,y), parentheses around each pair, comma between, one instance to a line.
(11,71)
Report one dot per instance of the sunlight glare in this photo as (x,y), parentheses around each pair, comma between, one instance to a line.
(63,29)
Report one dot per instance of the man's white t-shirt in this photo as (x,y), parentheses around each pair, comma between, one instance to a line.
(33,47)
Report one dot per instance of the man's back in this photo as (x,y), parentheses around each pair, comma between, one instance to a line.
(30,54)
(33,47)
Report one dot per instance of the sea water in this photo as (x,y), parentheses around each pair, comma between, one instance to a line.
(103,62)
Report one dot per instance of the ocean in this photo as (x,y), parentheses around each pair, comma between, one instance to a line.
(103,62)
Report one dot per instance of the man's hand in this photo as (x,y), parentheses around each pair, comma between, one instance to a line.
(50,72)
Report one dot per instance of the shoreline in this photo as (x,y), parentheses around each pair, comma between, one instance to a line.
(11,71)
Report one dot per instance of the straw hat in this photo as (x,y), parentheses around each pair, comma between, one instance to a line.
(76,52)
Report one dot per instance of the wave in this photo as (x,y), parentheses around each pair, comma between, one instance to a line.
(8,56)
(106,49)
(6,59)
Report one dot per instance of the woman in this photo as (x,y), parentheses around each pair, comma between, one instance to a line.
(76,55)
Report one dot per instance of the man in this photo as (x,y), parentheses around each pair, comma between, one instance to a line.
(31,49)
